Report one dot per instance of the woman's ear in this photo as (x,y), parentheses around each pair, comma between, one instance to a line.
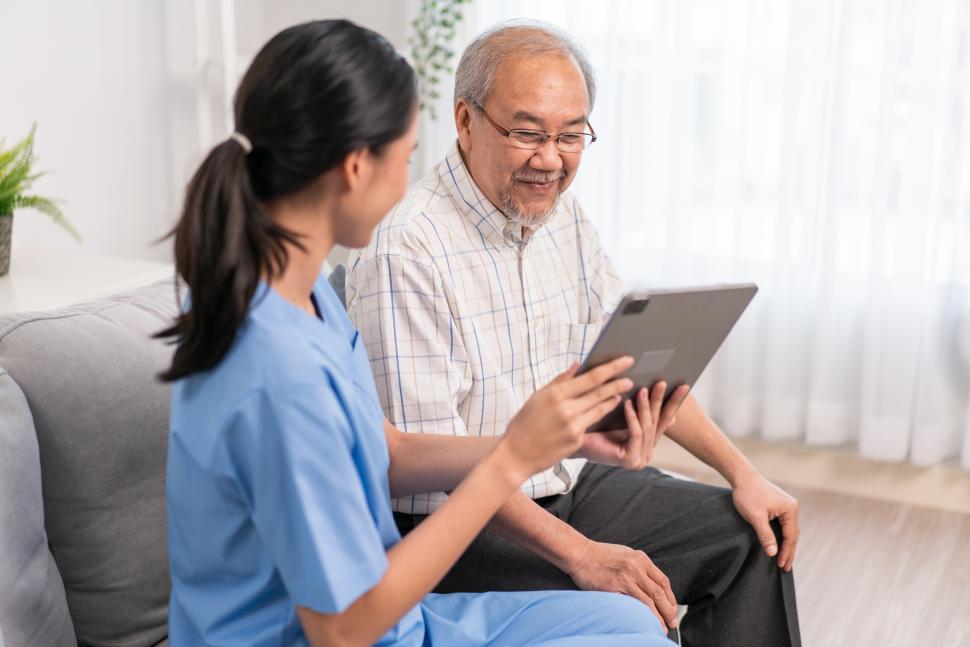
(355,168)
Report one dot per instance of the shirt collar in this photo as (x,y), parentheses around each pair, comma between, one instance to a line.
(469,199)
(324,334)
(472,203)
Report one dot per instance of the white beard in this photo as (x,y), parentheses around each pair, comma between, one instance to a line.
(519,219)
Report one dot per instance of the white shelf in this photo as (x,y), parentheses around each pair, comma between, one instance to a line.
(46,279)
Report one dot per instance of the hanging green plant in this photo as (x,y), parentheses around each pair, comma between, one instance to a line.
(433,32)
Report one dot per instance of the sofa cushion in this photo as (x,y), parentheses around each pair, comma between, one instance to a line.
(338,281)
(101,418)
(33,609)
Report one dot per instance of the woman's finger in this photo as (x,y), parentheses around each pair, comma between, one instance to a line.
(604,392)
(566,375)
(594,414)
(593,378)
(673,404)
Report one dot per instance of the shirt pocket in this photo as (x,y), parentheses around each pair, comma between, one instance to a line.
(575,340)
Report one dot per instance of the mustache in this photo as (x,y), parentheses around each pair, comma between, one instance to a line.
(537,177)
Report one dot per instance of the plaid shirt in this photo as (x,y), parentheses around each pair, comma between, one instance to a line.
(463,320)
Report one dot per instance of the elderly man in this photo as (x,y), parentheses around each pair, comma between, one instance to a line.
(487,281)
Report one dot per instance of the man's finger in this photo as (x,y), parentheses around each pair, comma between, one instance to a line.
(656,400)
(603,448)
(654,582)
(789,540)
(648,601)
(643,596)
(645,414)
(673,404)
(648,426)
(766,536)
(637,438)
(658,576)
(667,610)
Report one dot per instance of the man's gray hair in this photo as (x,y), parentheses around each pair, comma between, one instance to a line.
(515,39)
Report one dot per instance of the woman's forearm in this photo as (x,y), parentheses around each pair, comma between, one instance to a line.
(421,559)
(549,427)
(431,463)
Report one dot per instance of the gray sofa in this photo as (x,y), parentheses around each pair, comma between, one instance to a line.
(83,437)
(83,440)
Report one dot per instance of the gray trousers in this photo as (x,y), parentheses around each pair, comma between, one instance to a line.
(736,595)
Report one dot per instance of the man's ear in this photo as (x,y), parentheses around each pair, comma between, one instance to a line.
(463,124)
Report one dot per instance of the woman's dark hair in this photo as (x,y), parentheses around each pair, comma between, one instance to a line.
(315,93)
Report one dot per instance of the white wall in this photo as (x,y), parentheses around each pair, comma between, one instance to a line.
(94,79)
(258,21)
(117,88)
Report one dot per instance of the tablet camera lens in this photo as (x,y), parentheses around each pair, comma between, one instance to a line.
(635,307)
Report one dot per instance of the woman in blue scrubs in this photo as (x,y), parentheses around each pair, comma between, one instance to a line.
(281,465)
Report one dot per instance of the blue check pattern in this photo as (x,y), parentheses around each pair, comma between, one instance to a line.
(463,319)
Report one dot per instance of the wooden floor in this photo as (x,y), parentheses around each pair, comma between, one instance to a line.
(872,573)
(884,554)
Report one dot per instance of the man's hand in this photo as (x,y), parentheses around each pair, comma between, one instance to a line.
(611,567)
(632,448)
(759,501)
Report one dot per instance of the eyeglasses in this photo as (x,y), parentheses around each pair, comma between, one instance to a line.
(536,139)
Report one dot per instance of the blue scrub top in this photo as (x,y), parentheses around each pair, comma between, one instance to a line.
(278,497)
(277,480)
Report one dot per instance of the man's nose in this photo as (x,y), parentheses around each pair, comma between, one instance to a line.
(547,157)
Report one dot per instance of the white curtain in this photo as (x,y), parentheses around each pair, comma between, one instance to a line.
(820,148)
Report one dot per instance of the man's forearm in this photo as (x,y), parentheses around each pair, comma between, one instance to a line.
(525,522)
(697,433)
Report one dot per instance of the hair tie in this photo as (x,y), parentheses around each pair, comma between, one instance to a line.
(243,141)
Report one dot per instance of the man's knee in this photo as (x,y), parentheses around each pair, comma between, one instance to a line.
(732,531)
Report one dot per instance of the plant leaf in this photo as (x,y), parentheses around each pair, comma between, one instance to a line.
(16,178)
(48,207)
(24,146)
(20,165)
(7,157)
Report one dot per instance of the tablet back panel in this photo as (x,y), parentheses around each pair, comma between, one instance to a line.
(672,338)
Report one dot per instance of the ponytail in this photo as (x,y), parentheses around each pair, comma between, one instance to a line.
(224,243)
(314,93)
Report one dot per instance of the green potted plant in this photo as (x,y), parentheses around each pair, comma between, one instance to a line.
(16,178)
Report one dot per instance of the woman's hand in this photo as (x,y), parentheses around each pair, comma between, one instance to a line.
(632,448)
(553,422)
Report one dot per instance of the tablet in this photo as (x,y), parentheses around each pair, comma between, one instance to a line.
(672,334)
